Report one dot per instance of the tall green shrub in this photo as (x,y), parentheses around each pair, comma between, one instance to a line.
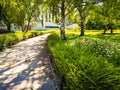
(82,69)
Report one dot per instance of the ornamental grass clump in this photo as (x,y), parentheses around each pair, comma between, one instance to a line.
(85,63)
(92,73)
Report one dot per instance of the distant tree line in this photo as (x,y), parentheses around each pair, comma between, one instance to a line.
(89,14)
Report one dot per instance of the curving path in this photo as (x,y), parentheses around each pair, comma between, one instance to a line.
(26,66)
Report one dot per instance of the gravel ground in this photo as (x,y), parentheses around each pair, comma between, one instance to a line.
(26,66)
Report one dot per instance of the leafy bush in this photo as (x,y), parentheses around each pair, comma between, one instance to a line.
(5,31)
(105,48)
(53,39)
(9,39)
(92,73)
(84,68)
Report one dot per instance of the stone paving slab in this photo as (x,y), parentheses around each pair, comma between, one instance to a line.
(26,66)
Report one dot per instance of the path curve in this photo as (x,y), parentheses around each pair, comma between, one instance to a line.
(26,66)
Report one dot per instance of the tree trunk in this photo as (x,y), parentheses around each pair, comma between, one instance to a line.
(23,29)
(46,16)
(82,25)
(82,28)
(62,27)
(105,29)
(28,24)
(42,21)
(49,17)
(111,30)
(56,19)
(28,27)
(53,18)
(9,27)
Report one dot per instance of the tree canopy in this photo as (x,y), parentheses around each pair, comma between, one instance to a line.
(89,14)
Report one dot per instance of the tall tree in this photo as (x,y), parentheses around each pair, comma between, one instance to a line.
(109,10)
(94,21)
(83,7)
(8,9)
(20,13)
(59,7)
(28,7)
(28,11)
(14,10)
(62,27)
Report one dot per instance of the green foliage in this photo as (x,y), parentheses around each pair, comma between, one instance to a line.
(9,39)
(19,12)
(85,63)
(76,28)
(92,73)
(98,47)
(94,24)
(53,39)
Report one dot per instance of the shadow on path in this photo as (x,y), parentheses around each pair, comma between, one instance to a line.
(26,66)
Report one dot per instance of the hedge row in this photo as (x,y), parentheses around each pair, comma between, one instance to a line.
(78,68)
(9,39)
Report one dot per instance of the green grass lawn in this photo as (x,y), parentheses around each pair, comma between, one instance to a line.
(91,62)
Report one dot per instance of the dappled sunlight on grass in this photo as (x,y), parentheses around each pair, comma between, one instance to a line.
(92,32)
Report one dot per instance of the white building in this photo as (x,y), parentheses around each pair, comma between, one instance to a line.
(47,26)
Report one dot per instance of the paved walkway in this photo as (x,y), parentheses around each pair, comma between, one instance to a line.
(26,66)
